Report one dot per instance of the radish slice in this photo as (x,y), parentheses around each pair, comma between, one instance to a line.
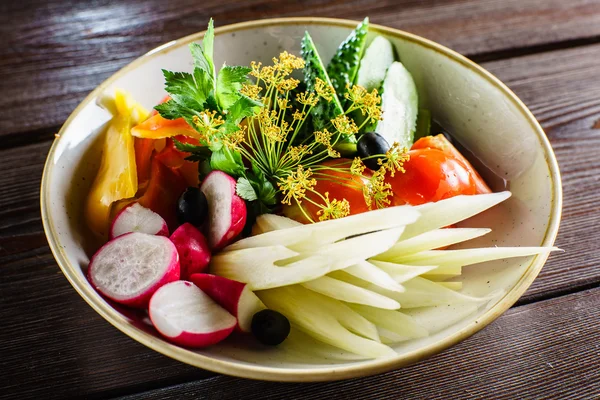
(194,254)
(187,316)
(236,297)
(136,218)
(131,267)
(226,210)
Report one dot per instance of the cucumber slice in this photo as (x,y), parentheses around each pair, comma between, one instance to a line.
(374,64)
(400,105)
(423,124)
(324,111)
(343,67)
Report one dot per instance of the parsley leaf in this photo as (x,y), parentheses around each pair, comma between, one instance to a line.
(228,161)
(198,153)
(243,107)
(244,189)
(229,82)
(203,57)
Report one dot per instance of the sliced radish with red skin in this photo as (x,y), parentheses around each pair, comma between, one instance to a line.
(234,296)
(194,253)
(226,210)
(187,316)
(136,218)
(131,267)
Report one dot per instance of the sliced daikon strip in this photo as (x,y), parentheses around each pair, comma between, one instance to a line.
(451,285)
(431,240)
(271,222)
(393,321)
(450,211)
(435,319)
(462,257)
(340,290)
(422,292)
(370,273)
(311,236)
(400,272)
(327,320)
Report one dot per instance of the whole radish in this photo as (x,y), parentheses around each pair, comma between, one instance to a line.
(136,218)
(194,253)
(234,296)
(226,210)
(131,267)
(187,316)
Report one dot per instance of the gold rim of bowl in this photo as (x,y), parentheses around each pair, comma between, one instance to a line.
(246,370)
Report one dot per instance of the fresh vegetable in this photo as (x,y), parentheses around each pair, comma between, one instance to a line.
(392,321)
(226,210)
(338,182)
(400,105)
(434,239)
(187,316)
(423,128)
(378,57)
(344,291)
(117,177)
(194,253)
(371,144)
(271,222)
(164,188)
(343,67)
(314,70)
(309,237)
(450,211)
(440,142)
(135,218)
(270,327)
(173,157)
(232,295)
(368,272)
(131,267)
(327,320)
(192,207)
(258,268)
(158,127)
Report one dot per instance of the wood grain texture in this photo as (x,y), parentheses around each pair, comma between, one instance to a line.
(79,351)
(545,350)
(54,53)
(563,90)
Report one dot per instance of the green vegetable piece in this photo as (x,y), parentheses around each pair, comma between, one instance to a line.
(244,189)
(343,67)
(377,59)
(399,104)
(227,161)
(229,82)
(203,55)
(423,124)
(324,111)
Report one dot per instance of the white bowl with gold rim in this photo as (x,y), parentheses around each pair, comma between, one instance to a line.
(479,111)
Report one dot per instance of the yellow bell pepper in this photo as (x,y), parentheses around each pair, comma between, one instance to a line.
(117,176)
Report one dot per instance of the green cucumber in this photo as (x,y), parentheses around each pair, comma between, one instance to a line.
(400,105)
(324,111)
(343,67)
(423,124)
(374,64)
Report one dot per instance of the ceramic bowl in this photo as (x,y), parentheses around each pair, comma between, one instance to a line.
(511,150)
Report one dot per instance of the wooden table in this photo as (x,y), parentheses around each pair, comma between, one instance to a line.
(53,345)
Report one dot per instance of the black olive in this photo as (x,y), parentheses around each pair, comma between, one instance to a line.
(270,327)
(192,207)
(371,144)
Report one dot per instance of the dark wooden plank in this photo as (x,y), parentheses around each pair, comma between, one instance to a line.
(50,337)
(54,338)
(55,52)
(563,91)
(504,361)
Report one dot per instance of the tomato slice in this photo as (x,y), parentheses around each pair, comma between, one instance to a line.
(440,142)
(431,175)
(340,185)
